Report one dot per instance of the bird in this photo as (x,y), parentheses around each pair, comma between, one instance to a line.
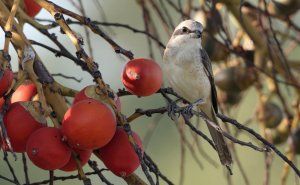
(188,70)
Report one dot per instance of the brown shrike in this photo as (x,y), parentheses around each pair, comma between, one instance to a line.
(188,69)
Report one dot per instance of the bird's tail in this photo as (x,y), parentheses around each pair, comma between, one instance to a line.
(218,138)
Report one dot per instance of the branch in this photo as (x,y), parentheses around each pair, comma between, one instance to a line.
(120,25)
(25,167)
(67,77)
(94,166)
(63,51)
(260,138)
(153,167)
(53,8)
(11,169)
(7,179)
(61,178)
(162,110)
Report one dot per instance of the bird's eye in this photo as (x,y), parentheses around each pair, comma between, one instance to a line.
(185,29)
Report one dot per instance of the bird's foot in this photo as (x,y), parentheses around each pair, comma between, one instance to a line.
(188,109)
(171,110)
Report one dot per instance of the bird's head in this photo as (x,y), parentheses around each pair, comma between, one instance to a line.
(187,31)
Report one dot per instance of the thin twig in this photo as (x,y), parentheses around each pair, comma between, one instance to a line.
(153,167)
(239,164)
(166,11)
(161,17)
(237,159)
(7,179)
(25,167)
(93,27)
(11,169)
(148,25)
(87,33)
(152,126)
(125,26)
(182,163)
(51,177)
(63,51)
(94,166)
(200,148)
(194,129)
(173,5)
(260,138)
(62,178)
(67,77)
(139,152)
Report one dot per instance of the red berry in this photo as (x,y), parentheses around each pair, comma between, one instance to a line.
(142,77)
(88,124)
(46,149)
(24,92)
(119,156)
(83,155)
(89,92)
(20,124)
(32,8)
(5,81)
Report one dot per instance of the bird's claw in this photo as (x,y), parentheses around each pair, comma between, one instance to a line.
(199,101)
(171,110)
(188,109)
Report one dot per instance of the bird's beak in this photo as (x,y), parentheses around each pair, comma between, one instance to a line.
(196,34)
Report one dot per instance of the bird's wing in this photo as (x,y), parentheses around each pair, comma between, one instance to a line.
(207,65)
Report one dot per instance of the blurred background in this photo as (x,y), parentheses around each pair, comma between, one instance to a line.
(160,134)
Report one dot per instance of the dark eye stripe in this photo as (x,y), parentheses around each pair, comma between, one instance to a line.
(183,30)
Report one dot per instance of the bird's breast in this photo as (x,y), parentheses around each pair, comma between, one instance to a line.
(187,76)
